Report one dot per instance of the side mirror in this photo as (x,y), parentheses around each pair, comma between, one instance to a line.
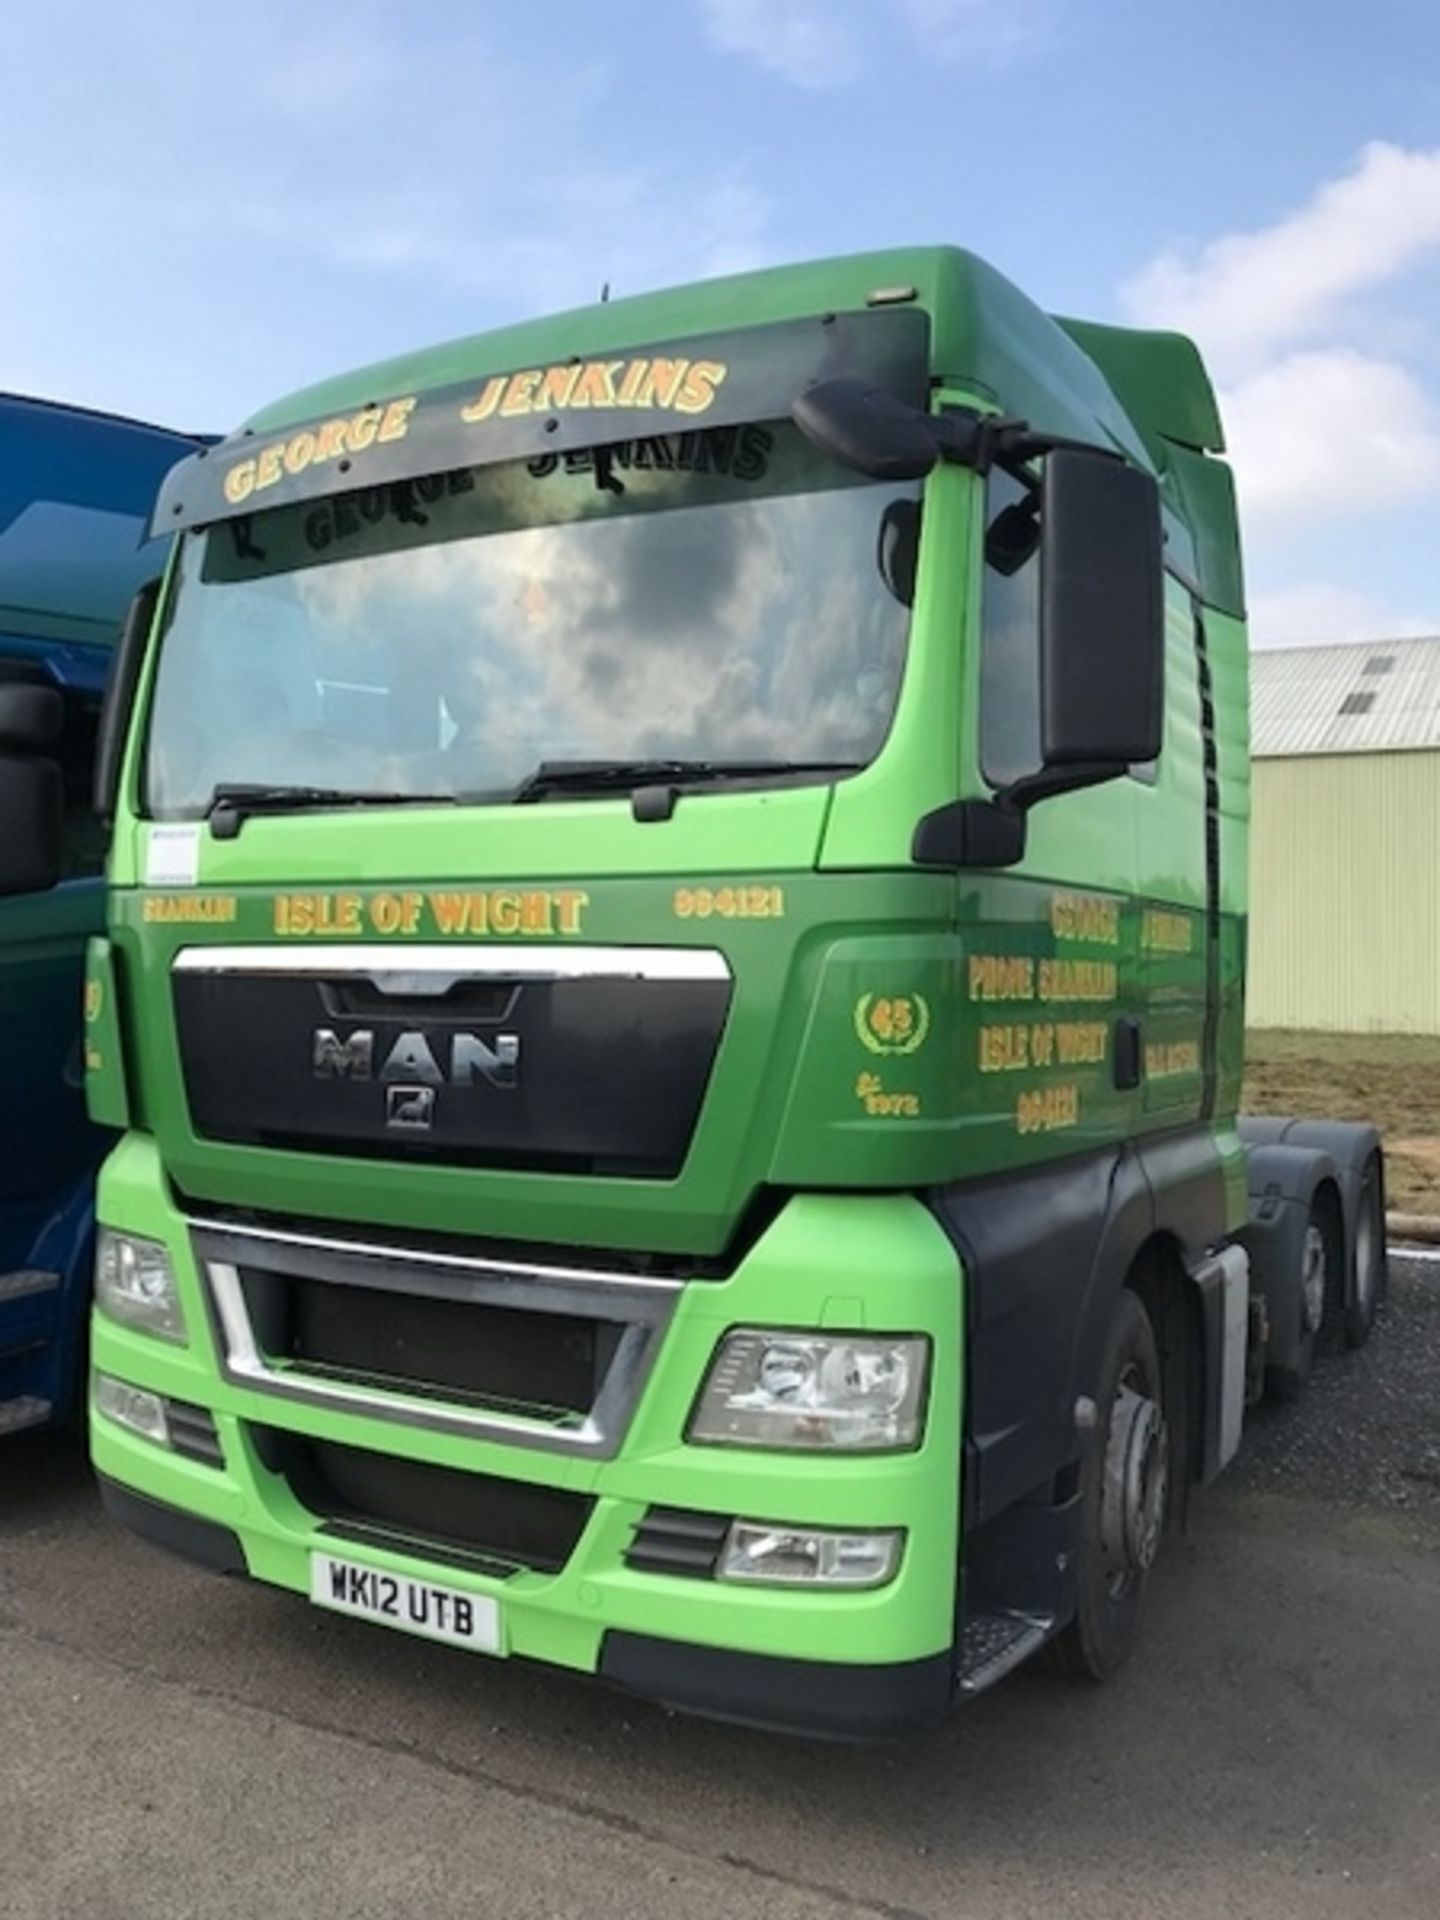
(31,717)
(120,698)
(32,794)
(1102,614)
(866,429)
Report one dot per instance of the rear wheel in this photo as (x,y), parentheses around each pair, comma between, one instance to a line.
(1367,1282)
(1124,1493)
(1320,1286)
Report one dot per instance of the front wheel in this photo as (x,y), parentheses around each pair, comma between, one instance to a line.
(1124,1494)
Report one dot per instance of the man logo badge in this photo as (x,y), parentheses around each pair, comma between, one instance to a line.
(412,1108)
(410,1070)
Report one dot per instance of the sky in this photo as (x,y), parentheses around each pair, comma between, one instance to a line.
(205,206)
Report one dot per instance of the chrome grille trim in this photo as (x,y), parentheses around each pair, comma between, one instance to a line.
(406,967)
(643,1304)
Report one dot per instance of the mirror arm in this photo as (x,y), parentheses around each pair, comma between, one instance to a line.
(986,440)
(1028,792)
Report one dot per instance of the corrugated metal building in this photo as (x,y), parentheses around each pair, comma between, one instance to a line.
(1345,843)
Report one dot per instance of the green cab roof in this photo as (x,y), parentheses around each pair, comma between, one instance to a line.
(1145,394)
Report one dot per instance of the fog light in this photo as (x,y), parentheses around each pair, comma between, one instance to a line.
(850,1392)
(808,1556)
(135,1284)
(132,1408)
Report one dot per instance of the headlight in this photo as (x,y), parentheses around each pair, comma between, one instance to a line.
(808,1556)
(133,1408)
(135,1284)
(848,1392)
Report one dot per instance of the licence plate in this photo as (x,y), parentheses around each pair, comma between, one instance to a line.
(414,1606)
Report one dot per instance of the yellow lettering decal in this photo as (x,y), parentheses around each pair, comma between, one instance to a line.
(267,467)
(395,421)
(635,378)
(662,386)
(1162,932)
(206,909)
(1167,1059)
(880,1105)
(504,912)
(330,440)
(674,385)
(363,428)
(568,908)
(697,393)
(1048,1109)
(1001,976)
(1004,1049)
(299,452)
(1083,916)
(240,482)
(729,903)
(1082,1042)
(596,385)
(451,912)
(557,386)
(535,913)
(395,912)
(489,399)
(520,393)
(404,914)
(1078,980)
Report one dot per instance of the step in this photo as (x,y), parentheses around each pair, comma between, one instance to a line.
(28,1411)
(24,1281)
(994,1643)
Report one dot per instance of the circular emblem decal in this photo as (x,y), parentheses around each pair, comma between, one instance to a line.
(896,1023)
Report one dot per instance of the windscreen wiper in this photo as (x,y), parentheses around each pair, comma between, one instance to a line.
(232,803)
(628,776)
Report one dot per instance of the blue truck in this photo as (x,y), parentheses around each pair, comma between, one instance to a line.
(76,489)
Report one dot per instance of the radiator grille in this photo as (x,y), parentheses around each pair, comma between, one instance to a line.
(442,1509)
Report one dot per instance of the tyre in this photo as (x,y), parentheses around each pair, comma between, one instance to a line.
(1371,1271)
(1124,1495)
(1320,1288)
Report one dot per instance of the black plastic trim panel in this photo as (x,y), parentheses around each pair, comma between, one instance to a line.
(822,1699)
(202,1541)
(675,1540)
(193,1433)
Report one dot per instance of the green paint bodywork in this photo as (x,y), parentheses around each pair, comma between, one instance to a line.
(810,1098)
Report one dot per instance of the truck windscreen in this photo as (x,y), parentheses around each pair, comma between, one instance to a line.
(717,594)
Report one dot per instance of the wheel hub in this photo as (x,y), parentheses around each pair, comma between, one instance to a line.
(1137,1461)
(1312,1279)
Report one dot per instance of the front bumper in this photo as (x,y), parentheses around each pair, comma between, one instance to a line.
(826,1662)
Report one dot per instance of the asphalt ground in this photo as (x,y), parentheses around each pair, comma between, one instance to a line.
(172,1744)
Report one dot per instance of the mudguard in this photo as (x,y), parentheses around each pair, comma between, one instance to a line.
(1341,1149)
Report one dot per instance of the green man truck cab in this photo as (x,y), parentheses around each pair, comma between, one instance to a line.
(674,990)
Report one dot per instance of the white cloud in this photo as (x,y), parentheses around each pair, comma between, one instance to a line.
(1246,294)
(802,41)
(823,43)
(995,30)
(1328,432)
(1318,613)
(1320,424)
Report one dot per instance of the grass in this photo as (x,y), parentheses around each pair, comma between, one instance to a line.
(1392,1079)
